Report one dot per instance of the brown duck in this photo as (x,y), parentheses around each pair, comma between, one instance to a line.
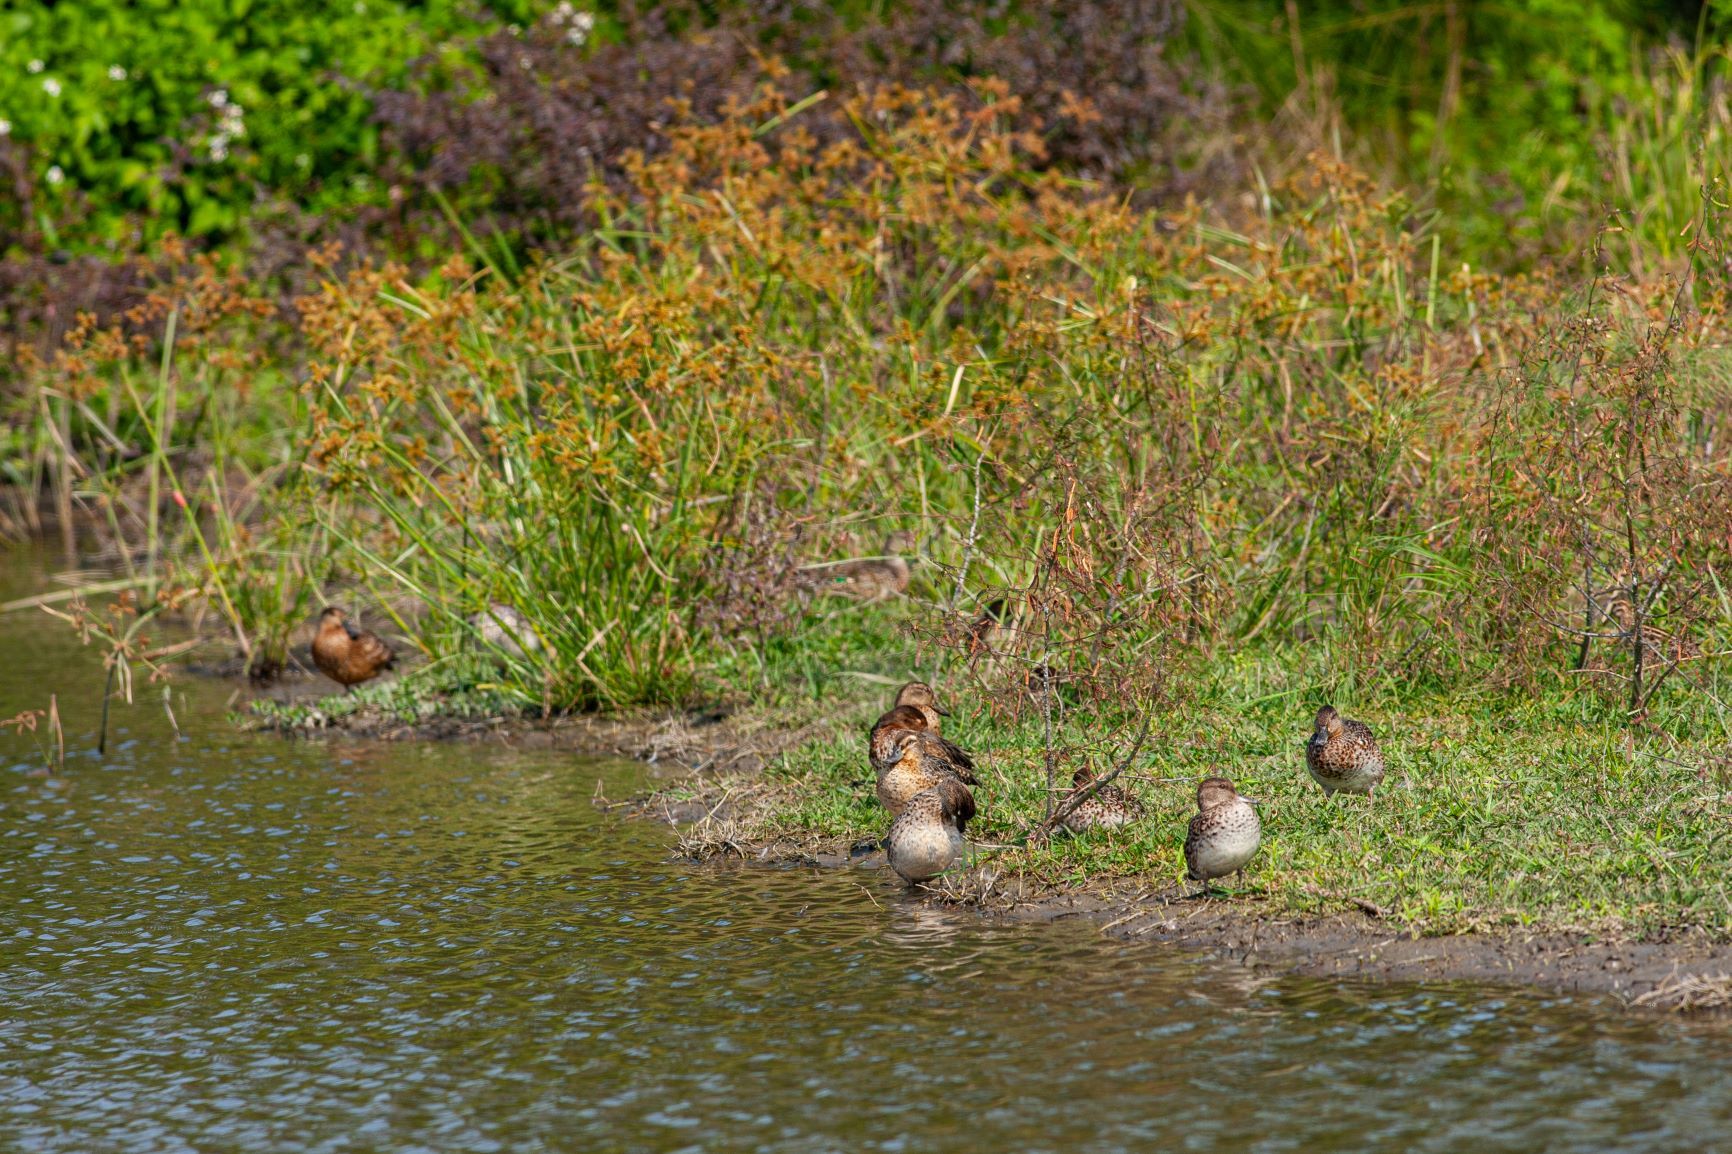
(1223,837)
(916,708)
(871,578)
(1342,755)
(918,762)
(348,655)
(1108,808)
(927,837)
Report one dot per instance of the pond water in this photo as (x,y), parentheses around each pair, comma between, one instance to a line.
(224,942)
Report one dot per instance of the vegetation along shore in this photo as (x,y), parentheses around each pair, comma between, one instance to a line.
(1140,411)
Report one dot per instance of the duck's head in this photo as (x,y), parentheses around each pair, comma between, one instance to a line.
(903,717)
(1328,721)
(920,695)
(1082,777)
(332,618)
(907,744)
(1214,791)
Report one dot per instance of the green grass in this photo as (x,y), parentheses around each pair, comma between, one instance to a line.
(456,688)
(1545,813)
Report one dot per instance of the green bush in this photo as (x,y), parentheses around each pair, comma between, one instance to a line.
(1507,108)
(186,112)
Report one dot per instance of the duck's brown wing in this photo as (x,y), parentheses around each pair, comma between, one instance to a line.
(1193,834)
(369,652)
(1358,732)
(965,812)
(959,759)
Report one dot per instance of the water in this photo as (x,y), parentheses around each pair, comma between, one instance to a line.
(238,943)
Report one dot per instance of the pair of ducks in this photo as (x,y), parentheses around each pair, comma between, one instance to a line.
(1341,756)
(923,779)
(350,655)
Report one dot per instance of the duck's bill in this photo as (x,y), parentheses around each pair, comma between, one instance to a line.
(941,711)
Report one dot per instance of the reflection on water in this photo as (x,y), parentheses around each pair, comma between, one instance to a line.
(229,943)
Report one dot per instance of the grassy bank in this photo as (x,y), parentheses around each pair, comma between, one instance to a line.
(1539,816)
(1210,464)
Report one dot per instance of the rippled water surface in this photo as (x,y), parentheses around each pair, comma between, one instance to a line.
(233,943)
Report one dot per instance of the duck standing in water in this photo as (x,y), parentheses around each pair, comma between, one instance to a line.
(1224,835)
(917,762)
(1342,755)
(916,708)
(927,838)
(348,655)
(1109,808)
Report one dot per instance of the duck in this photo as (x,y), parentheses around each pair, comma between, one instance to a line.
(1110,807)
(1224,835)
(916,707)
(872,578)
(927,837)
(1342,755)
(918,762)
(346,654)
(505,630)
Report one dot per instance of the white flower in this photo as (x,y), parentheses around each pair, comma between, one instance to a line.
(55,176)
(562,13)
(514,29)
(51,86)
(219,148)
(116,72)
(218,98)
(5,127)
(302,160)
(581,25)
(34,66)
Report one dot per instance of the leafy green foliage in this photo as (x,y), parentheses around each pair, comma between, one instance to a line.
(1508,109)
(183,113)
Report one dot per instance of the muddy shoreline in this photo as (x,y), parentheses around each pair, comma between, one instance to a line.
(1682,972)
(726,750)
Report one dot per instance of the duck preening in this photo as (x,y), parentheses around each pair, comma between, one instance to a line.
(346,654)
(1342,755)
(916,709)
(918,761)
(1224,835)
(927,838)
